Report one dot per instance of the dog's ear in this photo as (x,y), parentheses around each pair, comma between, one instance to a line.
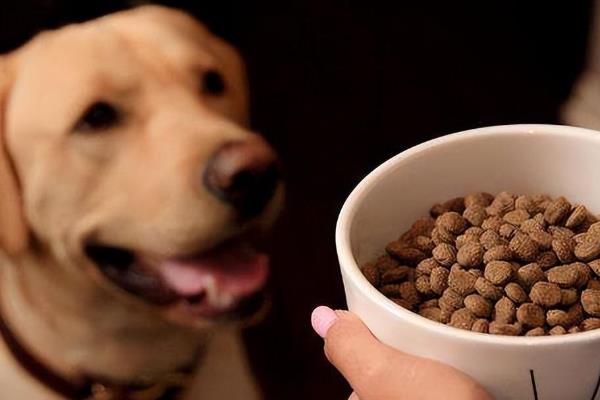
(13,230)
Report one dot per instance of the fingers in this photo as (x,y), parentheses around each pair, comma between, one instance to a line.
(376,371)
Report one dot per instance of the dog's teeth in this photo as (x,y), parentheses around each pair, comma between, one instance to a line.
(217,297)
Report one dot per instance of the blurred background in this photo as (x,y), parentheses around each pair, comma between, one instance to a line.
(340,86)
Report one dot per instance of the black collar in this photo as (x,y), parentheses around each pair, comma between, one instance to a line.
(170,387)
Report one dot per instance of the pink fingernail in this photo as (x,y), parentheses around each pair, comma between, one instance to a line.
(321,319)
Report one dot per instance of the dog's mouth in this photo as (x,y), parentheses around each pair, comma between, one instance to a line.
(223,280)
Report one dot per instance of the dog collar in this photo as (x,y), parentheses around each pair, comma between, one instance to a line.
(168,387)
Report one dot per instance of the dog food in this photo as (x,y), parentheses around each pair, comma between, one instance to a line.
(504,265)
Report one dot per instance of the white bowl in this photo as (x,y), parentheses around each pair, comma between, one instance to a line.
(523,159)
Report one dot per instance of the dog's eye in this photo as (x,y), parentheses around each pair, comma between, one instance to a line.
(213,83)
(99,116)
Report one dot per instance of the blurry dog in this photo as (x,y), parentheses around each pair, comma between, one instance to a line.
(130,191)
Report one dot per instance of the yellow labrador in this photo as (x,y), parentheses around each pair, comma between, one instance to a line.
(130,193)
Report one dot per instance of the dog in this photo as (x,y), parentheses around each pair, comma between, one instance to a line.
(131,190)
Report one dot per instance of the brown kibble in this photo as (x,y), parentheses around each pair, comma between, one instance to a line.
(523,247)
(423,286)
(446,314)
(564,275)
(516,217)
(408,255)
(529,274)
(568,296)
(584,273)
(559,232)
(422,227)
(456,204)
(507,231)
(473,231)
(490,239)
(595,266)
(467,238)
(428,304)
(594,229)
(546,294)
(577,217)
(589,249)
(462,282)
(590,324)
(497,253)
(593,284)
(477,272)
(391,290)
(505,311)
(531,315)
(479,306)
(465,268)
(437,209)
(557,211)
(444,254)
(441,235)
(439,279)
(504,202)
(426,266)
(453,222)
(470,255)
(532,204)
(492,223)
(408,292)
(563,248)
(531,225)
(585,225)
(536,332)
(424,243)
(475,215)
(432,313)
(481,325)
(515,292)
(557,317)
(462,319)
(557,330)
(498,272)
(371,272)
(482,199)
(542,238)
(487,290)
(403,303)
(385,263)
(590,299)
(580,237)
(574,329)
(396,275)
(575,314)
(547,260)
(539,218)
(451,300)
(499,328)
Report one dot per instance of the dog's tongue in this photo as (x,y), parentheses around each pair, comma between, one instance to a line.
(232,272)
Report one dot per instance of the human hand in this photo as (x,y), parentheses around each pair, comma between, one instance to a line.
(378,372)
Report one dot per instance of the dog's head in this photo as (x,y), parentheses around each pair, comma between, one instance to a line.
(125,161)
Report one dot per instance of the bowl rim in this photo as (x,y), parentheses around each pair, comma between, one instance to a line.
(350,268)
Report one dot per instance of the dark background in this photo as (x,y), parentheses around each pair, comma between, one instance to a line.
(340,86)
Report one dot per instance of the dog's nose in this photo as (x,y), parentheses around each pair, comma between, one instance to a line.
(244,174)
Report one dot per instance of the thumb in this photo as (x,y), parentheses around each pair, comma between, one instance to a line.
(351,348)
(377,371)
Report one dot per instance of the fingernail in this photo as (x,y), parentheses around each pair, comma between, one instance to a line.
(321,319)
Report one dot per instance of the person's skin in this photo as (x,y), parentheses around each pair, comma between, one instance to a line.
(376,371)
